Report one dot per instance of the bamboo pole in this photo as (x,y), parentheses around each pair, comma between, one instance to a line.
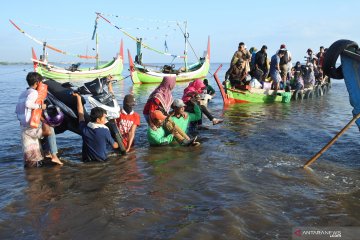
(316,156)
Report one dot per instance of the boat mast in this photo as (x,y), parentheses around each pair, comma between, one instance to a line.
(97,52)
(186,36)
(43,57)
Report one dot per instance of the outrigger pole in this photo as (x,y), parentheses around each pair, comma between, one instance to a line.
(314,158)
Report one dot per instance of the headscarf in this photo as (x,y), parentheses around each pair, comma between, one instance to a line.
(199,85)
(195,87)
(163,92)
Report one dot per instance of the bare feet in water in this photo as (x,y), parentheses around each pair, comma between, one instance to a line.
(56,160)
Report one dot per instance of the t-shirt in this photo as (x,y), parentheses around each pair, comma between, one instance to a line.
(183,123)
(25,105)
(95,137)
(159,136)
(151,105)
(273,64)
(125,122)
(286,97)
(210,90)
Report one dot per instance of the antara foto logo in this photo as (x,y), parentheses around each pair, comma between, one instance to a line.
(297,232)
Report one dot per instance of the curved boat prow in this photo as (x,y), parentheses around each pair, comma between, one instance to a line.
(34,58)
(133,73)
(226,100)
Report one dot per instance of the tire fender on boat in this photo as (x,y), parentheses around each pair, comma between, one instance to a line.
(318,91)
(331,56)
(309,94)
(325,89)
(298,95)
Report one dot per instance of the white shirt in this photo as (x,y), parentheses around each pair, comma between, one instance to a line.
(25,105)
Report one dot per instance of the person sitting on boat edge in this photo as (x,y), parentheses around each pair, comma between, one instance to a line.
(159,136)
(95,134)
(236,74)
(30,137)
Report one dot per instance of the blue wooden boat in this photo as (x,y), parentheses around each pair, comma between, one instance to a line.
(349,70)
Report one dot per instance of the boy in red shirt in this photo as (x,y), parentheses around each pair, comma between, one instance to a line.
(128,121)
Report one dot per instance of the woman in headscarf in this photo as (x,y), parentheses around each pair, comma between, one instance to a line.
(161,98)
(195,90)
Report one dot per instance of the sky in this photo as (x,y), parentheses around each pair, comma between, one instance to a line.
(68,25)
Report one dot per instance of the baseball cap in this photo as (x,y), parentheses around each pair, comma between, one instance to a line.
(157,114)
(282,46)
(179,103)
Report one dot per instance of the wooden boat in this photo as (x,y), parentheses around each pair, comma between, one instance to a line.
(253,95)
(143,74)
(113,67)
(349,70)
(47,70)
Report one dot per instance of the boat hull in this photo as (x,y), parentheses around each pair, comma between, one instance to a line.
(254,95)
(114,67)
(350,63)
(139,74)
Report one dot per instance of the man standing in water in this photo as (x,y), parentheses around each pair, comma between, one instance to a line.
(31,136)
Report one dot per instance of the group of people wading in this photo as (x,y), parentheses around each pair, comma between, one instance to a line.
(252,68)
(169,121)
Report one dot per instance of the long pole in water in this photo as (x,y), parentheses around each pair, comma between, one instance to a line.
(314,158)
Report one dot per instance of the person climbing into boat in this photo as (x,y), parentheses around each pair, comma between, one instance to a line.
(159,135)
(95,134)
(275,69)
(286,96)
(30,137)
(243,54)
(161,99)
(194,90)
(236,74)
(261,62)
(128,120)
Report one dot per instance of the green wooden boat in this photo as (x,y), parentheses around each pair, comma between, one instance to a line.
(254,95)
(144,74)
(113,67)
